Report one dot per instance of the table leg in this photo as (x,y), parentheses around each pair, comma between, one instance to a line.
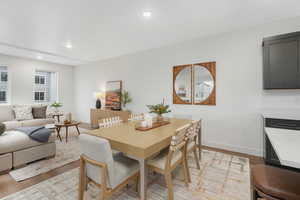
(58,134)
(143,179)
(77,130)
(67,133)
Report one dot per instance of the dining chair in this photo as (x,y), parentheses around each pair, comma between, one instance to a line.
(170,158)
(110,122)
(107,171)
(192,146)
(135,117)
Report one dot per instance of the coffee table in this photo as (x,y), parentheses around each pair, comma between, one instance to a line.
(62,125)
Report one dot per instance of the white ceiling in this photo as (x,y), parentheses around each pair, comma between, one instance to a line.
(101,29)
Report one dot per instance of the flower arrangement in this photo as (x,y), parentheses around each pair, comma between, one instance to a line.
(159,109)
(56,105)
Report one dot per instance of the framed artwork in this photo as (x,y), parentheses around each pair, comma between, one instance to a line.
(113,95)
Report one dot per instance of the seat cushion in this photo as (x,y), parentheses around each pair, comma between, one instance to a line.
(160,160)
(38,122)
(12,141)
(11,125)
(276,182)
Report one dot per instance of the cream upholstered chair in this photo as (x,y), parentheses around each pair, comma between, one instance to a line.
(110,122)
(192,146)
(98,165)
(167,161)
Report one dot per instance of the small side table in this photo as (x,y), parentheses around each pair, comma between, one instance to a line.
(57,116)
(61,125)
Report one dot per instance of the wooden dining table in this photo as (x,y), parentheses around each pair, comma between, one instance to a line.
(140,145)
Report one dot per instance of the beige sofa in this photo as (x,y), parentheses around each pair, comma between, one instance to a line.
(16,148)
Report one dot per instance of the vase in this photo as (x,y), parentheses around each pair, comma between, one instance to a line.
(56,111)
(160,118)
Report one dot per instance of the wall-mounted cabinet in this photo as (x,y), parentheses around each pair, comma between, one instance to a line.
(281,67)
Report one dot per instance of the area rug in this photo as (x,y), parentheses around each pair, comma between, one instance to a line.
(65,153)
(221,177)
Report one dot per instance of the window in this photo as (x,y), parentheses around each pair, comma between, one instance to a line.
(3,84)
(45,86)
(39,96)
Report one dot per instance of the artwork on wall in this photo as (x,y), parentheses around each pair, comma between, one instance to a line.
(195,84)
(113,95)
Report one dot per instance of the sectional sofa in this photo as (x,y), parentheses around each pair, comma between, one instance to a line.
(16,148)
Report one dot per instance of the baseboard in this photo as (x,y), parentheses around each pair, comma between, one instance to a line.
(245,150)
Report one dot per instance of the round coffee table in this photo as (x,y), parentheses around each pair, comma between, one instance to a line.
(61,125)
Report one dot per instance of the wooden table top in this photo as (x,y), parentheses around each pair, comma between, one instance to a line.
(73,123)
(140,144)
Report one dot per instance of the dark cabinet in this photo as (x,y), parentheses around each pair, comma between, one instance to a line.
(281,67)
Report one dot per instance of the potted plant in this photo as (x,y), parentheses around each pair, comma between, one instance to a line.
(56,105)
(125,98)
(159,109)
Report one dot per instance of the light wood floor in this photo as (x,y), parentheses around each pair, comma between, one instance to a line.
(9,186)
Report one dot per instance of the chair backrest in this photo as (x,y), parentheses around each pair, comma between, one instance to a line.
(99,150)
(135,117)
(195,128)
(178,143)
(109,122)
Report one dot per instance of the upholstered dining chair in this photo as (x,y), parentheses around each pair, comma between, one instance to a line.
(99,166)
(192,146)
(167,161)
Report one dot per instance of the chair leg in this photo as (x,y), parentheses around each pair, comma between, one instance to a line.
(168,178)
(82,180)
(196,158)
(254,194)
(186,173)
(137,187)
(102,196)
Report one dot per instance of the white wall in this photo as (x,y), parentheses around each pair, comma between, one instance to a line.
(235,122)
(21,80)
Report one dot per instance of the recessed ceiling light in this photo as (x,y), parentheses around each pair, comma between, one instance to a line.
(39,57)
(68,45)
(147,14)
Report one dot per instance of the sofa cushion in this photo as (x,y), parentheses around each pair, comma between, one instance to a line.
(37,122)
(11,125)
(39,112)
(23,112)
(6,113)
(12,141)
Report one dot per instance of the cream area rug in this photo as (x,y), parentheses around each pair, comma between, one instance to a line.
(221,177)
(65,153)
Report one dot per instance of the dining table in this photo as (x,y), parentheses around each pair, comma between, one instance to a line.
(140,145)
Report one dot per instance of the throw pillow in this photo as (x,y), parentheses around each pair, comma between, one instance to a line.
(23,112)
(39,112)
(2,128)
